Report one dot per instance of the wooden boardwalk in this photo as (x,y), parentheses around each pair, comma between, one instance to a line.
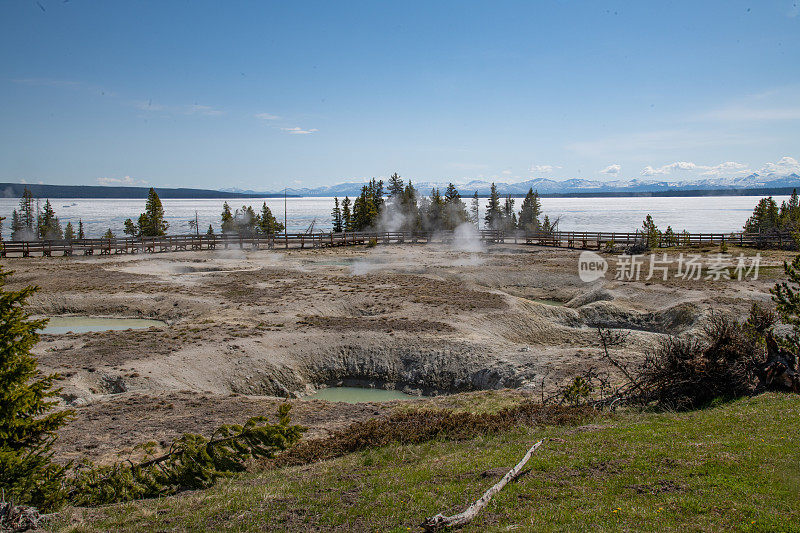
(173,243)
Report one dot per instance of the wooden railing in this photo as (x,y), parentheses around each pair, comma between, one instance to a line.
(167,243)
(564,239)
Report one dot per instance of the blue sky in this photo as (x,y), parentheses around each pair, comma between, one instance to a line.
(265,94)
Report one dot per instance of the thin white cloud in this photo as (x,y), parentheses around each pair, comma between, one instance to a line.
(266,116)
(506,172)
(127,180)
(542,169)
(724,169)
(786,165)
(662,141)
(148,105)
(206,110)
(728,167)
(469,166)
(754,114)
(612,170)
(299,131)
(774,104)
(48,82)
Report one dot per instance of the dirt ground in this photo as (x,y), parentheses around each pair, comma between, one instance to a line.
(246,329)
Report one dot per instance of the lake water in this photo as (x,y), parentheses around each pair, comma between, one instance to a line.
(81,324)
(695,214)
(357,395)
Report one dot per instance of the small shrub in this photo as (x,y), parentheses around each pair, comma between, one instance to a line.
(688,373)
(192,462)
(372,242)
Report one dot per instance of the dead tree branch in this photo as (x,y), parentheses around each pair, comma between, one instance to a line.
(440,521)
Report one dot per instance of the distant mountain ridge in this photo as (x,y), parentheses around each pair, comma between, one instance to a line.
(573,186)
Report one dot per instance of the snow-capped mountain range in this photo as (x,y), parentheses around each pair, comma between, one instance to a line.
(569,186)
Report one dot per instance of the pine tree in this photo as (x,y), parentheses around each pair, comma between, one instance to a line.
(474,211)
(27,212)
(434,211)
(670,239)
(509,216)
(493,218)
(765,217)
(789,214)
(396,188)
(267,223)
(455,212)
(336,216)
(109,234)
(547,227)
(530,211)
(786,295)
(227,222)
(1,227)
(48,225)
(130,228)
(367,205)
(27,426)
(80,229)
(151,222)
(651,234)
(69,232)
(347,216)
(210,232)
(17,227)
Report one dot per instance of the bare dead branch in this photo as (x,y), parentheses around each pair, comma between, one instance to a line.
(440,521)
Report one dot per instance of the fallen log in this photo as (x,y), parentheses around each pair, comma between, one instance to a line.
(440,521)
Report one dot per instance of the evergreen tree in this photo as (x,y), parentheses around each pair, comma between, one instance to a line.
(210,232)
(267,223)
(434,211)
(651,234)
(670,239)
(530,211)
(396,188)
(1,227)
(786,295)
(789,214)
(764,218)
(493,218)
(336,216)
(367,206)
(455,212)
(27,426)
(347,216)
(109,234)
(245,220)
(69,232)
(80,229)
(48,225)
(227,223)
(17,227)
(151,222)
(548,228)
(130,228)
(27,212)
(509,216)
(474,211)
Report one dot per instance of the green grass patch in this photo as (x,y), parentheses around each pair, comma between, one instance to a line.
(730,467)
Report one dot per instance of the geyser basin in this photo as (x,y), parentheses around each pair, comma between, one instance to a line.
(357,395)
(84,324)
